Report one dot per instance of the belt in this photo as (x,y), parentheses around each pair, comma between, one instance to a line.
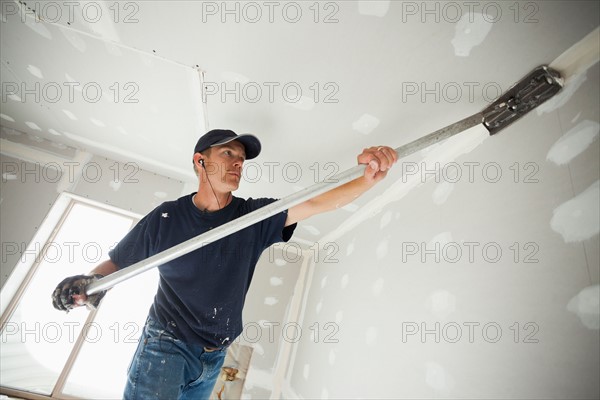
(211,349)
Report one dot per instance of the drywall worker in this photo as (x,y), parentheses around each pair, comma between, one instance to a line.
(197,310)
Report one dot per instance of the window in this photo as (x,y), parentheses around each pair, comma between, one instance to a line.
(78,354)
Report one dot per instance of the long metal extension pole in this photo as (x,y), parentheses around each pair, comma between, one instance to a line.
(273,208)
(541,84)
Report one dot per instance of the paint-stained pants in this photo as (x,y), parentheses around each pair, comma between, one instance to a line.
(166,368)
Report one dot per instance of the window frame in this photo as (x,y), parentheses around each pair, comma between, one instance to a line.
(26,268)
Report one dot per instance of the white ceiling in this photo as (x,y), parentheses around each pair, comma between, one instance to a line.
(366,58)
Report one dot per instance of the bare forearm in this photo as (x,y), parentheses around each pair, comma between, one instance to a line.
(378,160)
(376,170)
(342,195)
(105,268)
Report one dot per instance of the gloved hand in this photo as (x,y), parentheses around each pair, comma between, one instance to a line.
(70,293)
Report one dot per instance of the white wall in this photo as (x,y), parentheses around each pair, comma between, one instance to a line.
(269,326)
(379,290)
(24,205)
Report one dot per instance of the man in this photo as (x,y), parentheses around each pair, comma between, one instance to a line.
(197,311)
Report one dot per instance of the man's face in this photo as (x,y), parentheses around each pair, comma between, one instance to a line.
(225,162)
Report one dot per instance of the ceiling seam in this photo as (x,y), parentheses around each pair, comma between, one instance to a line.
(124,46)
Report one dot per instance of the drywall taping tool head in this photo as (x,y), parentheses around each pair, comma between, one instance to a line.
(537,87)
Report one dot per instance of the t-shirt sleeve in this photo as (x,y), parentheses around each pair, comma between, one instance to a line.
(139,243)
(273,229)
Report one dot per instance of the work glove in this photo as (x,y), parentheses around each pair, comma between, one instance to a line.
(70,293)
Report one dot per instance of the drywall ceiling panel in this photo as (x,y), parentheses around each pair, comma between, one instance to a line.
(108,99)
(369,54)
(371,59)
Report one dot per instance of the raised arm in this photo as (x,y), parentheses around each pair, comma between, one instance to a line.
(378,159)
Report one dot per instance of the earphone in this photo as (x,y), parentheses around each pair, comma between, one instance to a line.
(201,161)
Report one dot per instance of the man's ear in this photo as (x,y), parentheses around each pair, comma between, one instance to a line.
(198,159)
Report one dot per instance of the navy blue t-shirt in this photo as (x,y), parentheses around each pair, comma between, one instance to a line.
(201,294)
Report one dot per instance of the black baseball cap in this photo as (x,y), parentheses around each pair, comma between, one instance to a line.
(218,137)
